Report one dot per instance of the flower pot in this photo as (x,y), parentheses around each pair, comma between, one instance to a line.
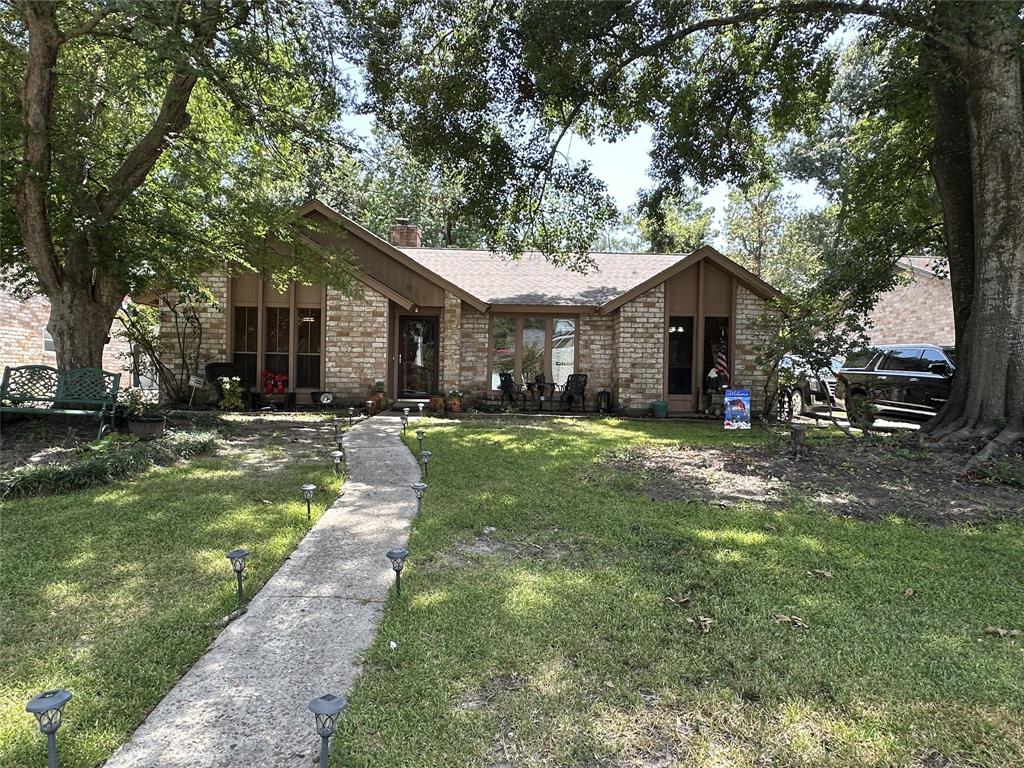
(455,406)
(659,408)
(147,427)
(437,404)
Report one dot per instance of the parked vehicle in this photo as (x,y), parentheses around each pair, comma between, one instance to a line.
(811,390)
(902,381)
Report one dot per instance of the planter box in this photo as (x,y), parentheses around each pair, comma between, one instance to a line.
(147,427)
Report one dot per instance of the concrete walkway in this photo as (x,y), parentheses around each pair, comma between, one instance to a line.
(244,702)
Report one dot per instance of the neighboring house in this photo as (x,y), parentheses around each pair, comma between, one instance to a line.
(24,339)
(424,320)
(920,309)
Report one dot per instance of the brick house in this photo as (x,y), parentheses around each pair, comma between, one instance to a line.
(24,339)
(424,320)
(919,309)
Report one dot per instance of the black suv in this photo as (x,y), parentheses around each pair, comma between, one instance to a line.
(902,381)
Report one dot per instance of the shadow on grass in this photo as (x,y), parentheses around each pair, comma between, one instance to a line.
(577,641)
(113,592)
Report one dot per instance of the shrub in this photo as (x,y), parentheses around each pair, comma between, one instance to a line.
(232,386)
(115,457)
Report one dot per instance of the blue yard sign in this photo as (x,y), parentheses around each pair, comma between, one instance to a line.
(737,409)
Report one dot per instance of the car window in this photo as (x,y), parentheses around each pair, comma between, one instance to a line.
(950,353)
(930,356)
(860,358)
(904,360)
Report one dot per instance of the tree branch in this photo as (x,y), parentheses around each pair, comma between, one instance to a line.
(89,24)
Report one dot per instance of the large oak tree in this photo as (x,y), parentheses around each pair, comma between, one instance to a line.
(146,142)
(492,89)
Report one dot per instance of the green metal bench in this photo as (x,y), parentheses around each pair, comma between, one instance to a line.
(42,390)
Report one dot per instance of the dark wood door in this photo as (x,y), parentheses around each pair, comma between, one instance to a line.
(417,356)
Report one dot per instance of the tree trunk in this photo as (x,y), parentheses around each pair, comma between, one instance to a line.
(80,324)
(988,399)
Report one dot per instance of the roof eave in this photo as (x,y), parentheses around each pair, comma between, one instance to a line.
(383,245)
(748,278)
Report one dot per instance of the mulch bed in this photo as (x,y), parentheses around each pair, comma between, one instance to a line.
(855,478)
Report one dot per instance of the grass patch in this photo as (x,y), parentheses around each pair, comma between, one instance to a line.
(115,457)
(571,634)
(111,592)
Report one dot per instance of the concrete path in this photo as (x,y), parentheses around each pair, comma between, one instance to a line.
(244,702)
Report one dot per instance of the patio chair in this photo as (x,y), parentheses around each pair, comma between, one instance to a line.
(574,391)
(509,389)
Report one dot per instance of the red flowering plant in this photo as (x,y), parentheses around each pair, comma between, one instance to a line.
(274,383)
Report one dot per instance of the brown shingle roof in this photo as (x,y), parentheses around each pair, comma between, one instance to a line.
(534,280)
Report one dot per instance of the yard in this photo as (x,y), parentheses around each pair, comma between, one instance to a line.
(113,592)
(572,600)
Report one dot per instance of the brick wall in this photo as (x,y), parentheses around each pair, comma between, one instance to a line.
(21,337)
(596,334)
(475,346)
(214,320)
(920,311)
(357,342)
(451,343)
(640,349)
(753,327)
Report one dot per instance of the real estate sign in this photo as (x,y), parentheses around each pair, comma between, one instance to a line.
(737,409)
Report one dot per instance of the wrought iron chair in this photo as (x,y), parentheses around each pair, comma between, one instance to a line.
(509,390)
(574,391)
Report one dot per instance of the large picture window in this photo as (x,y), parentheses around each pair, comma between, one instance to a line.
(530,346)
(279,331)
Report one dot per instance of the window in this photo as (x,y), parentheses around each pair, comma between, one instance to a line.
(503,348)
(860,359)
(716,336)
(277,330)
(904,360)
(48,341)
(245,335)
(275,357)
(680,356)
(527,347)
(563,351)
(307,359)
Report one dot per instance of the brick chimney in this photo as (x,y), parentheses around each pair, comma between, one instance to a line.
(404,234)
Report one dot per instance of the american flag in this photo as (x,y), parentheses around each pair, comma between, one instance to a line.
(721,359)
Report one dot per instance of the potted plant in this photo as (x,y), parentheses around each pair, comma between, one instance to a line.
(274,383)
(232,388)
(436,402)
(454,401)
(377,390)
(145,420)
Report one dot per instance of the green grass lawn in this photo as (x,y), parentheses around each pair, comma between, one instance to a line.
(554,641)
(114,592)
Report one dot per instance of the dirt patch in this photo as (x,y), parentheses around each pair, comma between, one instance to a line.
(863,479)
(267,441)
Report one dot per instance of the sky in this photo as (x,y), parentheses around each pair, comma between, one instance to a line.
(623,167)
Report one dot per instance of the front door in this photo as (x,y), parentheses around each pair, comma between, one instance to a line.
(417,356)
(681,348)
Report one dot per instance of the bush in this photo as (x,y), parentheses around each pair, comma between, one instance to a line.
(115,457)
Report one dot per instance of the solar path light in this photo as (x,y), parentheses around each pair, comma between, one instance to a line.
(237,558)
(308,489)
(337,431)
(397,557)
(338,441)
(48,707)
(337,456)
(351,414)
(419,487)
(369,407)
(326,708)
(421,409)
(405,412)
(405,422)
(426,462)
(420,434)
